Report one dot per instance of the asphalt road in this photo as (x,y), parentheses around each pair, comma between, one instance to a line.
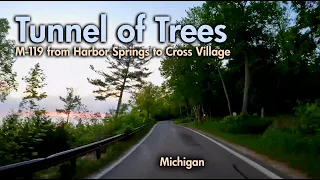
(167,139)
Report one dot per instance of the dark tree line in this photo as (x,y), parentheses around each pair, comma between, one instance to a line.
(274,59)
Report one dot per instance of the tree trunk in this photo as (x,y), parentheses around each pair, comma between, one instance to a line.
(120,97)
(187,106)
(225,91)
(68,117)
(180,110)
(246,85)
(198,111)
(262,112)
(119,103)
(202,109)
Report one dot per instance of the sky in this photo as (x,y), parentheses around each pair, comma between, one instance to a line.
(73,72)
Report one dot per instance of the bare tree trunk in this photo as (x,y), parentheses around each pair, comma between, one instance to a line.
(262,112)
(120,97)
(187,106)
(198,111)
(246,85)
(119,103)
(202,110)
(225,91)
(180,110)
(68,117)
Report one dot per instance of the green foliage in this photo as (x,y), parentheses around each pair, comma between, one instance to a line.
(7,75)
(72,102)
(295,149)
(291,142)
(155,102)
(308,117)
(126,73)
(274,62)
(244,124)
(126,129)
(36,135)
(87,133)
(282,54)
(25,138)
(35,81)
(184,120)
(28,138)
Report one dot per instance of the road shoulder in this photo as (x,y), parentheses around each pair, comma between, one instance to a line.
(277,167)
(108,167)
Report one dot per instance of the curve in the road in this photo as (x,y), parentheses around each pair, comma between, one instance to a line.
(170,140)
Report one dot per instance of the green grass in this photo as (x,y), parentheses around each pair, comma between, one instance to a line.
(296,151)
(86,167)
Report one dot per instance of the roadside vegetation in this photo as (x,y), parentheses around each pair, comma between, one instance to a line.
(263,96)
(30,133)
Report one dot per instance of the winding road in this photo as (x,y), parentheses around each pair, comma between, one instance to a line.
(166,139)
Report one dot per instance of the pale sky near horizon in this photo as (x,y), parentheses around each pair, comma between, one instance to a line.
(73,71)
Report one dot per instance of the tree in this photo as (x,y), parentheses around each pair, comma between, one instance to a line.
(308,17)
(225,90)
(71,101)
(126,73)
(7,76)
(188,76)
(35,81)
(249,29)
(146,98)
(37,126)
(82,113)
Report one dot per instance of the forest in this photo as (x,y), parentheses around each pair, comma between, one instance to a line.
(264,95)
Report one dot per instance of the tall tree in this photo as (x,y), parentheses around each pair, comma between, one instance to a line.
(72,102)
(188,76)
(125,73)
(146,98)
(248,28)
(7,76)
(35,81)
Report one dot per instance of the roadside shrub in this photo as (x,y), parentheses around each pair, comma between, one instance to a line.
(127,128)
(244,124)
(185,120)
(308,116)
(290,142)
(27,138)
(231,119)
(23,138)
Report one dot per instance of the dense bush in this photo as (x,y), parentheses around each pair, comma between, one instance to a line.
(291,142)
(244,124)
(308,116)
(184,120)
(28,138)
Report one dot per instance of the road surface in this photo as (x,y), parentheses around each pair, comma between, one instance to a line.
(169,140)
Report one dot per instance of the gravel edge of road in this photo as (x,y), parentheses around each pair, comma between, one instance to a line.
(275,166)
